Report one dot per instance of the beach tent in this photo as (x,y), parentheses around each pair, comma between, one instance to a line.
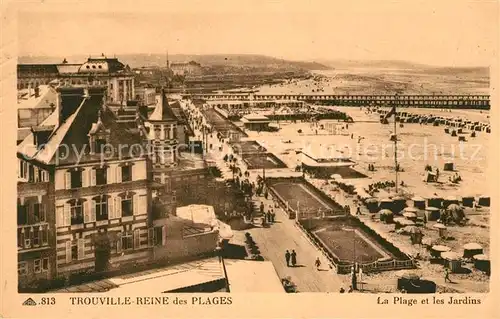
(452,261)
(371,204)
(484,201)
(415,234)
(435,202)
(386,216)
(482,262)
(430,177)
(441,228)
(472,249)
(436,250)
(449,166)
(398,203)
(432,213)
(387,203)
(418,202)
(468,201)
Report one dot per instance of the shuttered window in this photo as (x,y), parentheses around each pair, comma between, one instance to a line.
(137,239)
(81,248)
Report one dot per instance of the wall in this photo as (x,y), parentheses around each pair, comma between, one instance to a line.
(178,248)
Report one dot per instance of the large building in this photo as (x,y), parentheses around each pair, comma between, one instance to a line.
(101,71)
(186,68)
(87,200)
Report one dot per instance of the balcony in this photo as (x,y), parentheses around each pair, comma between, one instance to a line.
(33,237)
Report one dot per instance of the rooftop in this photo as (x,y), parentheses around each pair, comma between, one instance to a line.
(75,129)
(255,118)
(27,99)
(252,276)
(157,281)
(163,111)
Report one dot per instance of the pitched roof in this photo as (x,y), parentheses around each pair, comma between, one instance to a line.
(74,134)
(163,111)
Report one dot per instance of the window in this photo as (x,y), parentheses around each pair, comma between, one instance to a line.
(22,215)
(101,208)
(36,236)
(37,265)
(45,264)
(127,241)
(100,145)
(39,212)
(77,212)
(76,179)
(111,86)
(126,173)
(74,250)
(21,169)
(100,176)
(157,132)
(127,206)
(157,236)
(20,238)
(45,236)
(31,173)
(22,268)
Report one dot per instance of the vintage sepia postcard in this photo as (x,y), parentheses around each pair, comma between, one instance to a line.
(249,159)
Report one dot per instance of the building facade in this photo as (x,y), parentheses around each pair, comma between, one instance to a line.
(93,197)
(186,68)
(101,71)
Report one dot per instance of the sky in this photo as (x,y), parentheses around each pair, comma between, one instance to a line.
(451,33)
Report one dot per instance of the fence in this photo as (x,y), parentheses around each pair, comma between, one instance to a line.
(344,268)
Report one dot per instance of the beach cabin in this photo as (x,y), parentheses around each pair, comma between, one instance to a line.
(256,122)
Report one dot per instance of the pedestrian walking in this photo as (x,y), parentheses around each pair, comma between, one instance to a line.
(317,263)
(293,257)
(287,258)
(273,215)
(447,276)
(262,207)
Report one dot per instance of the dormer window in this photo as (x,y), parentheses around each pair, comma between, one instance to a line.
(98,136)
(100,143)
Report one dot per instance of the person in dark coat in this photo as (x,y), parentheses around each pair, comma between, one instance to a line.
(293,258)
(262,207)
(287,258)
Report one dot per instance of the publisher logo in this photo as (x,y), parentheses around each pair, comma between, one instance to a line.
(29,302)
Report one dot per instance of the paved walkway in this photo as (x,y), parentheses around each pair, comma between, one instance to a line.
(284,235)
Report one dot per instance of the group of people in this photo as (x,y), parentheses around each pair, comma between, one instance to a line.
(291,258)
(270,215)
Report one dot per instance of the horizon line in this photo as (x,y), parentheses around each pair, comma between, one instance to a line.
(307,60)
